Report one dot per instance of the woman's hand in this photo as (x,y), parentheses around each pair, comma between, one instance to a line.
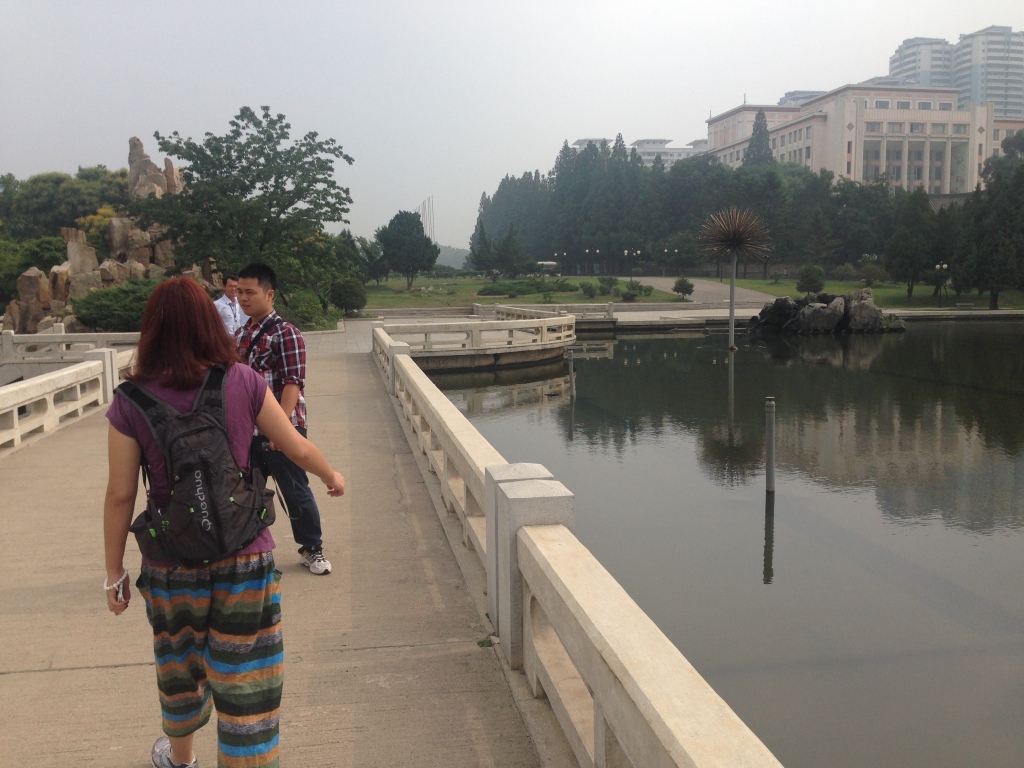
(115,606)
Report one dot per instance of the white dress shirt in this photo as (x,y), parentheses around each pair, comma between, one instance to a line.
(232,314)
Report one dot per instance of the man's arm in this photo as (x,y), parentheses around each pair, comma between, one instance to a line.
(289,398)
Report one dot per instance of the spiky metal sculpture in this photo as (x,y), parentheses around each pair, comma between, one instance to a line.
(737,234)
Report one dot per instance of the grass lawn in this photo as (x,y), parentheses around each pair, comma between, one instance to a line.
(462,292)
(892,295)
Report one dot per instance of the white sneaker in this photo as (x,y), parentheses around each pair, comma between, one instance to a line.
(316,562)
(161,756)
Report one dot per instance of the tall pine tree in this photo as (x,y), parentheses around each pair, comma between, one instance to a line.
(759,150)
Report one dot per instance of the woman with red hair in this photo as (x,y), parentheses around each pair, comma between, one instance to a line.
(216,628)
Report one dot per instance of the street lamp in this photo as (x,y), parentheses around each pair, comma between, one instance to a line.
(941,276)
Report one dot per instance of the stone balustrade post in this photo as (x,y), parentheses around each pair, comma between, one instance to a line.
(395,348)
(609,310)
(7,353)
(518,504)
(108,357)
(493,477)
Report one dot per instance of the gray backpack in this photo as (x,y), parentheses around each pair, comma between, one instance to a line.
(215,508)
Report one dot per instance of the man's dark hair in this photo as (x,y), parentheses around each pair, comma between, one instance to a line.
(230,277)
(261,273)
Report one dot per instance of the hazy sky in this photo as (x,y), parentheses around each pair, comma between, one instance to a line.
(437,98)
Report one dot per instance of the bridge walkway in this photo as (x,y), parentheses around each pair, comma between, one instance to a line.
(383,666)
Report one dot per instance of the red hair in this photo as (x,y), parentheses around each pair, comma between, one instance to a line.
(182,336)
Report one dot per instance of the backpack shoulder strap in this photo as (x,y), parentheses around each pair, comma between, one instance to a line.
(210,396)
(156,413)
(259,335)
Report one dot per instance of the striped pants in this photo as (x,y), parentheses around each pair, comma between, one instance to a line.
(217,640)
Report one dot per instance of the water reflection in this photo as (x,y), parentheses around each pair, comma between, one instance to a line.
(931,419)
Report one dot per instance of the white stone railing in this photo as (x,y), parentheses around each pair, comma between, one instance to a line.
(45,403)
(550,310)
(623,694)
(484,334)
(58,346)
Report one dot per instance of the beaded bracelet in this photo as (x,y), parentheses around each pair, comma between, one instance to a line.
(117,584)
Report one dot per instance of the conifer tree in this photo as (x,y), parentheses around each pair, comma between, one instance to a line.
(759,150)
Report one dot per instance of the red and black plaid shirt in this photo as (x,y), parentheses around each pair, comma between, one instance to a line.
(280,355)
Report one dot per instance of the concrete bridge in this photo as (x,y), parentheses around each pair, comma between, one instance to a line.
(391,660)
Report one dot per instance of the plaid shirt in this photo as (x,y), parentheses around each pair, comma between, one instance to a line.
(280,355)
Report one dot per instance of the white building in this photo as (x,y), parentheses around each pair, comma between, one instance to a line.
(986,67)
(648,149)
(917,136)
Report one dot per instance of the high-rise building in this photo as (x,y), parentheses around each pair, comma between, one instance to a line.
(924,61)
(986,67)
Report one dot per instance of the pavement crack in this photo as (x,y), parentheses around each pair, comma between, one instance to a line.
(84,668)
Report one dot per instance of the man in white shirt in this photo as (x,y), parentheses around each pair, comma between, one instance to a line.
(227,305)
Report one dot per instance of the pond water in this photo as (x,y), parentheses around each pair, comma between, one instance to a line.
(873,615)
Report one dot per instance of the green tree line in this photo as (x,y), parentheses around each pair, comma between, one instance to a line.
(602,209)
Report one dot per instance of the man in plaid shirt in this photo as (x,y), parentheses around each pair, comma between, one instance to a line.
(274,347)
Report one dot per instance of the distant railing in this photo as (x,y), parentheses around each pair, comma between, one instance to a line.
(484,334)
(58,345)
(509,311)
(622,693)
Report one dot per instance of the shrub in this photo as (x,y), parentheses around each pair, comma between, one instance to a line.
(606,284)
(845,272)
(303,309)
(589,290)
(547,297)
(810,279)
(872,273)
(117,309)
(629,295)
(646,290)
(349,295)
(683,287)
(776,276)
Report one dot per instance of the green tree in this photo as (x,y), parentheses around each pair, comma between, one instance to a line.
(509,258)
(481,253)
(810,278)
(253,194)
(406,248)
(375,264)
(759,150)
(15,258)
(909,252)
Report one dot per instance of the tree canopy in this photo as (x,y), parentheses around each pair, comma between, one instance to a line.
(405,246)
(252,194)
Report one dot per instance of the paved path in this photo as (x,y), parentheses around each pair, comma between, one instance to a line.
(708,291)
(382,662)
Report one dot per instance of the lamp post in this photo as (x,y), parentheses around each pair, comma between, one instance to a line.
(941,276)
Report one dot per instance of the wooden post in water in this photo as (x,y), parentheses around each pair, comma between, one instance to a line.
(769,444)
(572,378)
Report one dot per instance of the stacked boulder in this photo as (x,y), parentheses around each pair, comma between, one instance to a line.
(855,312)
(135,254)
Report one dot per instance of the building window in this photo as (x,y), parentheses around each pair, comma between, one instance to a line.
(800,135)
(981,150)
(995,134)
(939,127)
(809,131)
(849,148)
(782,140)
(895,127)
(924,105)
(937,156)
(902,105)
(874,128)
(773,144)
(807,153)
(960,128)
(918,173)
(945,106)
(881,105)
(919,156)
(917,127)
